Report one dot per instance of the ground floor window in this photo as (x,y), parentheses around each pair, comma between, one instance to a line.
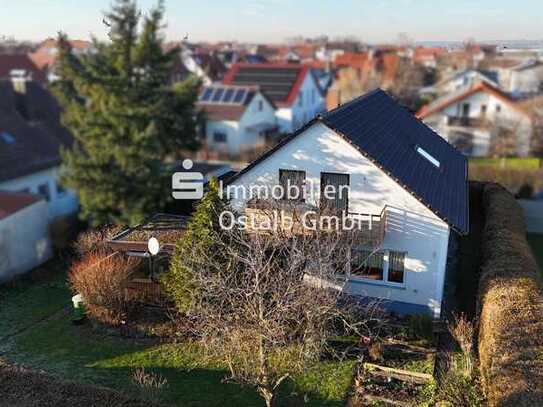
(219,137)
(385,265)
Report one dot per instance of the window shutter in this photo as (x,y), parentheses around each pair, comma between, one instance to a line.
(293,181)
(336,198)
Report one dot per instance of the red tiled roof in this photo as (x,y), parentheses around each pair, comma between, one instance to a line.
(268,82)
(423,53)
(11,202)
(9,62)
(354,60)
(44,57)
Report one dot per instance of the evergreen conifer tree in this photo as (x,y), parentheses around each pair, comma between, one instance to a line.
(126,116)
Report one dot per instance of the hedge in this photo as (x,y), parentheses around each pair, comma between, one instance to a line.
(510,305)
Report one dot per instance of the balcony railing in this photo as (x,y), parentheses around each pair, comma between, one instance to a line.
(466,121)
(302,218)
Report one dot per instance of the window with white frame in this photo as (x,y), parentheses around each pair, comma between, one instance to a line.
(387,266)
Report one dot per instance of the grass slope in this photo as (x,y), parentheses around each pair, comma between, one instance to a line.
(46,339)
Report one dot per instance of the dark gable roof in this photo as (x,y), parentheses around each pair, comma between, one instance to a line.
(280,82)
(33,146)
(10,62)
(388,135)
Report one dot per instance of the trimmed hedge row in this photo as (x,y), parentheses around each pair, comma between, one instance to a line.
(510,306)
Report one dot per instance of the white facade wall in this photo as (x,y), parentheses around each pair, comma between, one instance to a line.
(24,240)
(526,80)
(59,204)
(308,103)
(411,227)
(239,135)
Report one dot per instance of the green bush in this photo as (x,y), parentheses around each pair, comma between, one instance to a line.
(195,246)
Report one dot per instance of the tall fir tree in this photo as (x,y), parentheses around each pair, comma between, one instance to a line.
(126,116)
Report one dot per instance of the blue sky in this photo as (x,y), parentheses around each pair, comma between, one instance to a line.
(274,20)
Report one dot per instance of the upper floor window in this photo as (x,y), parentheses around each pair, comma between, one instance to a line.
(483,110)
(498,108)
(292,184)
(43,190)
(60,189)
(219,137)
(335,191)
(260,106)
(301,99)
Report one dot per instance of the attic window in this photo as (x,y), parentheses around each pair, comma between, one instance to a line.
(7,138)
(428,156)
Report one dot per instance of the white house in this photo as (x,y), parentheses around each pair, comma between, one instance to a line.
(30,151)
(399,172)
(236,118)
(291,87)
(480,120)
(524,78)
(24,234)
(463,79)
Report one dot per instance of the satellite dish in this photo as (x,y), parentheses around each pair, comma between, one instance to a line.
(153,246)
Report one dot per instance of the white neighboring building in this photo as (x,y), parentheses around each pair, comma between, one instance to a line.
(24,234)
(237,119)
(291,87)
(524,78)
(465,79)
(407,178)
(474,117)
(30,152)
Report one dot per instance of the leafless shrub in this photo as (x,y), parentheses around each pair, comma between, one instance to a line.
(268,302)
(462,331)
(101,280)
(94,239)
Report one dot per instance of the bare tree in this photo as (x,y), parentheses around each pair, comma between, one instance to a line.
(269,310)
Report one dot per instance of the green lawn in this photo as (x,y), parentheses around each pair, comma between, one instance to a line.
(511,163)
(536,243)
(80,354)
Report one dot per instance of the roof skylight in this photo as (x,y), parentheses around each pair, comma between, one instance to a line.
(428,156)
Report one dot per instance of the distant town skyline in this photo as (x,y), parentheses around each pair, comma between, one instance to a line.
(276,20)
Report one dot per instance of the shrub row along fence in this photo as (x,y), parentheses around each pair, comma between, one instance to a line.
(510,306)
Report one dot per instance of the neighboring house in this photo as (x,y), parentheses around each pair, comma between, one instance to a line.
(206,66)
(45,56)
(237,119)
(291,87)
(427,57)
(24,233)
(523,78)
(19,68)
(465,78)
(30,140)
(407,178)
(480,120)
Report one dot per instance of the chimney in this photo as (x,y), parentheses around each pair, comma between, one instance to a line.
(18,78)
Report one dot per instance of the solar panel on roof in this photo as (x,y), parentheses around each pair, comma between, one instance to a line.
(240,95)
(218,94)
(228,95)
(206,95)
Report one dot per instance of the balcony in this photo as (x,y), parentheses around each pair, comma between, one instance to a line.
(301,218)
(460,121)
